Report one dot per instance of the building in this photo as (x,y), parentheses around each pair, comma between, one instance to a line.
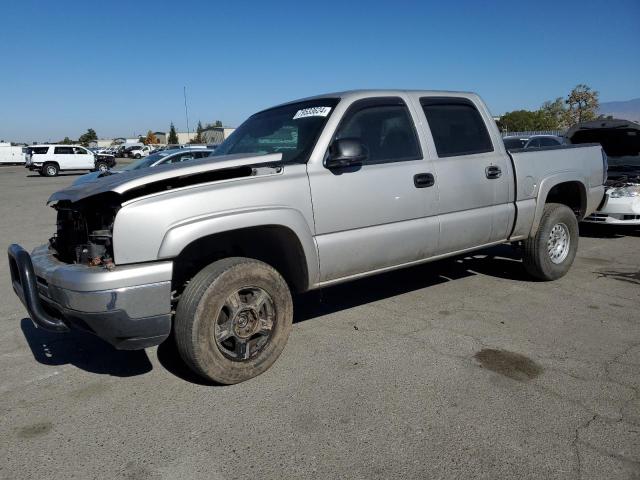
(216,135)
(183,137)
(210,135)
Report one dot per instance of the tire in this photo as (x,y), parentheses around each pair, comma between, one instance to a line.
(209,335)
(101,167)
(50,169)
(547,255)
(137,155)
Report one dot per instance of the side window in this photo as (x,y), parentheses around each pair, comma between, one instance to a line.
(535,143)
(80,151)
(38,150)
(456,126)
(63,151)
(549,142)
(181,158)
(386,130)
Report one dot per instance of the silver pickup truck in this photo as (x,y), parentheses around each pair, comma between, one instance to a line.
(303,195)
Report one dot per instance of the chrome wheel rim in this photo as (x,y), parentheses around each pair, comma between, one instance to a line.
(102,167)
(51,171)
(245,323)
(558,243)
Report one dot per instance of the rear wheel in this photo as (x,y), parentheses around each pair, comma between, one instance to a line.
(549,254)
(233,320)
(50,169)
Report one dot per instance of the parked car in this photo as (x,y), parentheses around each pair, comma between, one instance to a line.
(302,196)
(10,154)
(49,160)
(541,141)
(138,151)
(165,157)
(621,142)
(514,142)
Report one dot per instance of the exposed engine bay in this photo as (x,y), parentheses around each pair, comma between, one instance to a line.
(84,232)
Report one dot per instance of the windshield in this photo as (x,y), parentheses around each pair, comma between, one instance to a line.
(291,130)
(513,143)
(145,162)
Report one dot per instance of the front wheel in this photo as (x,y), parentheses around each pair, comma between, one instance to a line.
(233,320)
(137,156)
(102,167)
(549,254)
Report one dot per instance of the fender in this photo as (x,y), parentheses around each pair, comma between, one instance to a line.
(546,184)
(183,233)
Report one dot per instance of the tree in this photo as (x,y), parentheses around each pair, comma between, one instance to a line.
(525,121)
(198,138)
(151,138)
(556,113)
(86,138)
(173,136)
(218,123)
(67,141)
(582,104)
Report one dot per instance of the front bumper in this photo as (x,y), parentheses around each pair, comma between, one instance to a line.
(129,307)
(617,211)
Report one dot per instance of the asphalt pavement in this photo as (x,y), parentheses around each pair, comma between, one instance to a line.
(463,368)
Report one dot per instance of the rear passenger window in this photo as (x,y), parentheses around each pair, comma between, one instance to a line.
(38,150)
(456,126)
(63,151)
(387,131)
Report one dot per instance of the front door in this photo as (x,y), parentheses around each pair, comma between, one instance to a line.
(83,159)
(378,215)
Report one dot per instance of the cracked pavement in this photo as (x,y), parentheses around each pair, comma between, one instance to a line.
(463,368)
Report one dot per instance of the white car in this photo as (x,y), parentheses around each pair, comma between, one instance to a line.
(49,160)
(620,139)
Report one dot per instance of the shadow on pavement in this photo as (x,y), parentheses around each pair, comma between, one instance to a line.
(84,351)
(501,262)
(169,358)
(594,230)
(74,174)
(93,355)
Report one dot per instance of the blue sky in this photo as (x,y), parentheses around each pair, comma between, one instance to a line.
(120,67)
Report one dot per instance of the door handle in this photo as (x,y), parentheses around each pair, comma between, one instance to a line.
(422,180)
(492,172)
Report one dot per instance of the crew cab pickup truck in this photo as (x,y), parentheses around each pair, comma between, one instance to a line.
(303,195)
(49,160)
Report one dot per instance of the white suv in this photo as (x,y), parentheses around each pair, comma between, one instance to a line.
(48,160)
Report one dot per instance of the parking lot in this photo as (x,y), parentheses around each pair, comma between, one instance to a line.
(463,368)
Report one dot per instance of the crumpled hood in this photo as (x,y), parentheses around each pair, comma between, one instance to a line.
(126,181)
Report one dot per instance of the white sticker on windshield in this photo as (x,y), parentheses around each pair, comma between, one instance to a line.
(312,112)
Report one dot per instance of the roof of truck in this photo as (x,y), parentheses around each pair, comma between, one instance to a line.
(356,94)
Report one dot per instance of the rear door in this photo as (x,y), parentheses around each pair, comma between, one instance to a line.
(374,216)
(64,157)
(473,178)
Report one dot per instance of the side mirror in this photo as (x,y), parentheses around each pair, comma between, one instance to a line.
(346,152)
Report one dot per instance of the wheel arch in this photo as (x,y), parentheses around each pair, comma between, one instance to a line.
(280,238)
(565,189)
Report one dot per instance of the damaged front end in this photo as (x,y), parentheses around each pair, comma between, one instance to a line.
(84,231)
